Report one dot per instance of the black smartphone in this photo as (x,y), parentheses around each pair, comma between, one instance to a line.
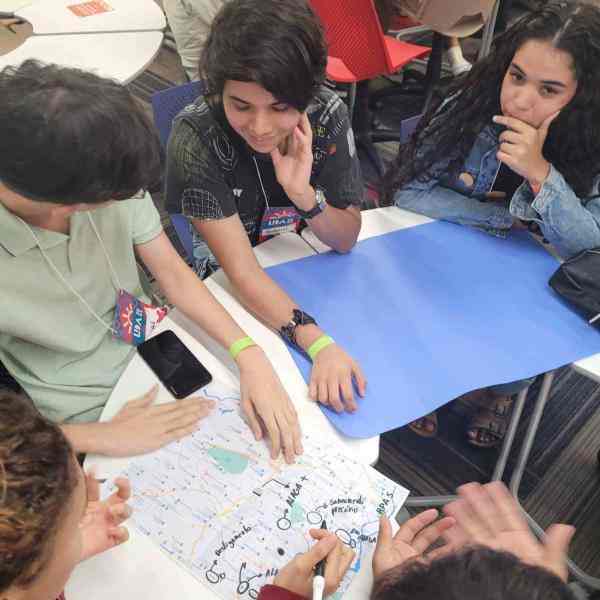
(176,367)
(506,181)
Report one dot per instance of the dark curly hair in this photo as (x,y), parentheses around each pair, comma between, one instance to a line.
(69,136)
(278,44)
(37,479)
(573,142)
(474,574)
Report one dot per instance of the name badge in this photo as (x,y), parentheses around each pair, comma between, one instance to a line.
(135,320)
(278,219)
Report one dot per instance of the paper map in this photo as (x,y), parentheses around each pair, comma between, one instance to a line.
(222,509)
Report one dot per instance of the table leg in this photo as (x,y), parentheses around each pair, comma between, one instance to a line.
(509,438)
(488,31)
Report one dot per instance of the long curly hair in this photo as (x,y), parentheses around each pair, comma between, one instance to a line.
(448,130)
(37,480)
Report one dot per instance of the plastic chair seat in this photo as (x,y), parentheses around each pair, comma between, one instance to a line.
(166,105)
(400,53)
(338,71)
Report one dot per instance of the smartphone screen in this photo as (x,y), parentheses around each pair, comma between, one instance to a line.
(176,367)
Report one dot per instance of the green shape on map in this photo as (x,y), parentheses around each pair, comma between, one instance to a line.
(296,514)
(336,596)
(231,462)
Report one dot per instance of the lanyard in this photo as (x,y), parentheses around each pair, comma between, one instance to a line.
(114,276)
(262,187)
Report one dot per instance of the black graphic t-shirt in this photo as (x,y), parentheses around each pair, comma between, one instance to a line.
(211,173)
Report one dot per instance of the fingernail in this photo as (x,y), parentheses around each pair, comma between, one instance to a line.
(495,119)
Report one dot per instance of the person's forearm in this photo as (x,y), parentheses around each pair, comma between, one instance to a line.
(269,303)
(192,297)
(336,227)
(86,438)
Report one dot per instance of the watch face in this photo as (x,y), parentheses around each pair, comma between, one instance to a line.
(321,202)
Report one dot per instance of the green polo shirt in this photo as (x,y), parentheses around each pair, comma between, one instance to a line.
(50,343)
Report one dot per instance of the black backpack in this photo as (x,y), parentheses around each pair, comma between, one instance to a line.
(577,280)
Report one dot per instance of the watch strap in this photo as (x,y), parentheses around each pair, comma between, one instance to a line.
(299,317)
(317,209)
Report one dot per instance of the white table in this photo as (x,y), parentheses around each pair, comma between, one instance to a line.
(13,5)
(376,221)
(139,568)
(54,17)
(590,367)
(118,44)
(119,56)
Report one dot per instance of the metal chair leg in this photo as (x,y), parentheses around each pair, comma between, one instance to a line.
(488,31)
(515,482)
(578,574)
(435,501)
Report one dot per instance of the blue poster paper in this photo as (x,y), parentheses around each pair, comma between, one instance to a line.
(434,311)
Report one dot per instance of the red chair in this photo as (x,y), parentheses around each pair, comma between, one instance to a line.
(359,51)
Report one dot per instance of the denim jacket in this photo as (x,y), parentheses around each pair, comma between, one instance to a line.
(569,223)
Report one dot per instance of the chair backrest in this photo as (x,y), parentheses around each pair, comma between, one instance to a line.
(354,35)
(166,105)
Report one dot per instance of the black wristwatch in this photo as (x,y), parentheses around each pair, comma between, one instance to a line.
(317,209)
(299,317)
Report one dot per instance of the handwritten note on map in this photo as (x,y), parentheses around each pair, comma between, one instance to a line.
(222,509)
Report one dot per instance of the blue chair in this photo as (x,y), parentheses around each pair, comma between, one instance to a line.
(166,105)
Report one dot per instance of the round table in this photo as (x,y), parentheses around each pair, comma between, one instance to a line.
(117,39)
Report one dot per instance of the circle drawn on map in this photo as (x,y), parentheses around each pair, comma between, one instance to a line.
(244,587)
(346,538)
(284,523)
(314,517)
(280,551)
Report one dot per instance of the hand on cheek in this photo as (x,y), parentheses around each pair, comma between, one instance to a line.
(293,169)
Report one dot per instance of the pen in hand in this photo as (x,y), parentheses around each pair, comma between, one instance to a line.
(319,576)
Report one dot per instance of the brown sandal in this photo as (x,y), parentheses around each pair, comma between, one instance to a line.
(426,426)
(488,427)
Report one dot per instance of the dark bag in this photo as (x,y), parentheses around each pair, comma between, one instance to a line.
(577,280)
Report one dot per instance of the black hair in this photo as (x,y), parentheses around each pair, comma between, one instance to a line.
(69,136)
(278,44)
(475,574)
(573,142)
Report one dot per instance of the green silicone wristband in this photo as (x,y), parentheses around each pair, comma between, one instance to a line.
(240,345)
(318,345)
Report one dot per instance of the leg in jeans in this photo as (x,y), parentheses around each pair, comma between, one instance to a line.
(190,22)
